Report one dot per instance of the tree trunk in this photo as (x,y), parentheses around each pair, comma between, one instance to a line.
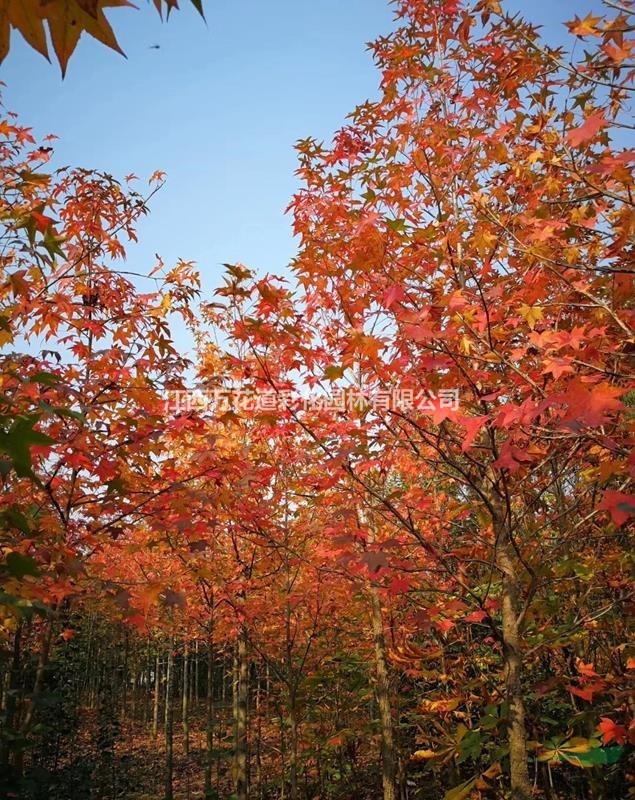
(184,701)
(11,699)
(293,742)
(209,721)
(382,691)
(241,689)
(258,754)
(196,675)
(382,683)
(157,691)
(169,738)
(520,784)
(31,705)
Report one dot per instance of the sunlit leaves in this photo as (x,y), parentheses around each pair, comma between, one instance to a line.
(65,20)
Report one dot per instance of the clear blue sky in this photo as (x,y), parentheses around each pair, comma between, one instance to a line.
(218,107)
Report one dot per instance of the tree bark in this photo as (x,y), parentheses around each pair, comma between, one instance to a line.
(382,691)
(157,691)
(382,683)
(209,721)
(241,689)
(293,741)
(184,701)
(32,701)
(11,698)
(169,738)
(517,734)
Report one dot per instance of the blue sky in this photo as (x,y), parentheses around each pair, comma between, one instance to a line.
(218,107)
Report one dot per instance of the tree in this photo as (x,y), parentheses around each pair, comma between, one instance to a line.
(81,398)
(468,232)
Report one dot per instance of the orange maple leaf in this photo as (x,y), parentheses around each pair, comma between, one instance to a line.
(584,27)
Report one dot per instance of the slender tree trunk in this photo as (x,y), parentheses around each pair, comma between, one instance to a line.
(291,700)
(293,743)
(184,701)
(43,659)
(11,698)
(124,680)
(169,737)
(157,692)
(259,735)
(520,784)
(283,757)
(241,684)
(382,683)
(147,690)
(382,691)
(134,690)
(195,688)
(209,721)
(27,722)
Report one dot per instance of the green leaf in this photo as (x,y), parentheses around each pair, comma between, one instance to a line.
(580,752)
(25,608)
(116,485)
(52,244)
(68,412)
(12,517)
(470,745)
(398,225)
(47,378)
(17,443)
(600,755)
(20,565)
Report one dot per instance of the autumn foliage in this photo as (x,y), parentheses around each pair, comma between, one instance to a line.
(65,21)
(391,595)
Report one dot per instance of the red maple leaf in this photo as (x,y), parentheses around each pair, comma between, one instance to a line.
(611,731)
(620,505)
(591,125)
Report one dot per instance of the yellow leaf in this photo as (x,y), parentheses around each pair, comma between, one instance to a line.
(532,314)
(483,241)
(535,156)
(422,755)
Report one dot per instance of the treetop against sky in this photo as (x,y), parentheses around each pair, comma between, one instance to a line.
(218,108)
